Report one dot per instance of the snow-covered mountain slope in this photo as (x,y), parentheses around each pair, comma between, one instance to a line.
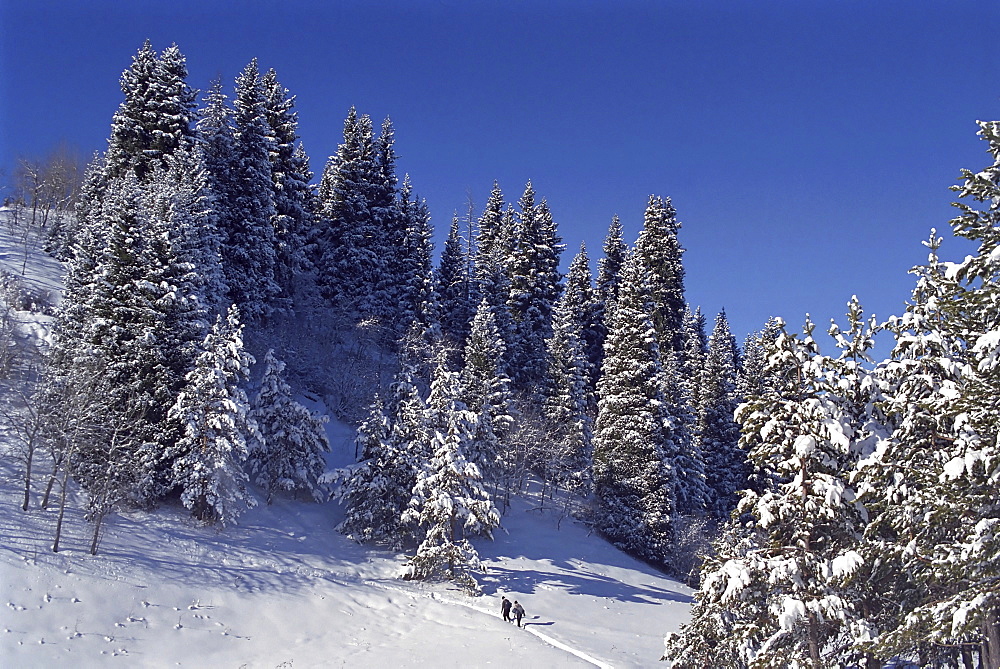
(284,589)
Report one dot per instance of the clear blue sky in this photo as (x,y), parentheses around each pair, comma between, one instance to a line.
(808,146)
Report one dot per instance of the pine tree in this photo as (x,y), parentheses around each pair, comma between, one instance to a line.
(494,232)
(492,282)
(486,393)
(692,494)
(787,587)
(582,302)
(218,430)
(533,267)
(293,195)
(718,432)
(779,591)
(454,290)
(609,267)
(249,251)
(371,490)
(417,298)
(752,379)
(349,259)
(215,134)
(182,275)
(64,242)
(661,252)
(606,288)
(449,501)
(935,518)
(391,226)
(569,396)
(378,489)
(633,475)
(293,439)
(179,204)
(155,118)
(119,293)
(694,355)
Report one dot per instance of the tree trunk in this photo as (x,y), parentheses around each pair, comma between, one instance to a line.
(27,478)
(97,533)
(967,660)
(51,483)
(62,512)
(990,649)
(814,640)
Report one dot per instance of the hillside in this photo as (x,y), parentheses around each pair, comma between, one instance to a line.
(282,588)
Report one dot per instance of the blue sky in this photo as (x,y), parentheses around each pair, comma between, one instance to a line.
(808,146)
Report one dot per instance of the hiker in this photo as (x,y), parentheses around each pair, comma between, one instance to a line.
(505,609)
(518,612)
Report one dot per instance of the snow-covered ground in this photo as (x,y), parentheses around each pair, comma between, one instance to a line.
(283,589)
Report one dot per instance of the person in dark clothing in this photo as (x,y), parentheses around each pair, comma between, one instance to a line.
(518,611)
(505,609)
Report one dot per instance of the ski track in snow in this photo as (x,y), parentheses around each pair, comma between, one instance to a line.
(481,609)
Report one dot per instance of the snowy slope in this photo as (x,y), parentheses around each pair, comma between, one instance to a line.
(283,589)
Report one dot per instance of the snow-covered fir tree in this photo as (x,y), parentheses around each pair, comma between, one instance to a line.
(141,270)
(418,302)
(778,593)
(606,287)
(115,316)
(932,484)
(351,259)
(533,267)
(449,501)
(570,403)
(692,359)
(386,207)
(718,432)
(494,230)
(293,195)
(486,392)
(660,250)
(156,116)
(691,492)
(215,135)
(580,300)
(634,481)
(454,290)
(492,281)
(752,379)
(392,441)
(249,256)
(218,431)
(293,438)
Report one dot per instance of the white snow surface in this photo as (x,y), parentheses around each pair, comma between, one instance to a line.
(283,589)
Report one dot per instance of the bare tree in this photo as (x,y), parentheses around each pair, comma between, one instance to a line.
(44,194)
(72,412)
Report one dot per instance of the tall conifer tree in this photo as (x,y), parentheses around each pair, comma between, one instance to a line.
(718,432)
(290,178)
(660,250)
(633,473)
(249,256)
(533,267)
(218,430)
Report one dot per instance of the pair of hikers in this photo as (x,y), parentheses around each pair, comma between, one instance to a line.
(507,609)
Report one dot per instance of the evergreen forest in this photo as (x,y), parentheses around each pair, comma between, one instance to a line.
(831,509)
